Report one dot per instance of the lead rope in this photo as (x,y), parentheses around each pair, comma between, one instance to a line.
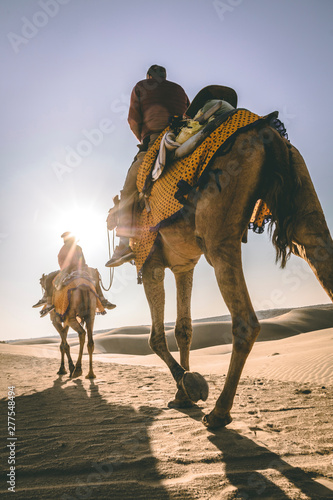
(111,268)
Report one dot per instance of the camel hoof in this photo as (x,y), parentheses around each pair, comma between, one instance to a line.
(213,421)
(91,375)
(61,371)
(195,386)
(76,373)
(180,403)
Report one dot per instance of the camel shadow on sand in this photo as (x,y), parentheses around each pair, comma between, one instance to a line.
(244,459)
(73,444)
(75,440)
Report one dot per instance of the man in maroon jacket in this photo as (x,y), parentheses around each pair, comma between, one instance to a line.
(70,257)
(153,101)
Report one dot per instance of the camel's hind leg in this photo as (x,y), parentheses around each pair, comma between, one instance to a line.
(64,349)
(89,327)
(314,244)
(192,384)
(226,260)
(73,323)
(64,346)
(222,215)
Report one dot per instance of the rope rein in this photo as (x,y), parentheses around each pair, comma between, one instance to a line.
(111,268)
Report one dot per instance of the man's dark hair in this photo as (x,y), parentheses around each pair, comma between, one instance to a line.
(157,72)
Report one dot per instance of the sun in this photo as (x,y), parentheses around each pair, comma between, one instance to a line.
(87,224)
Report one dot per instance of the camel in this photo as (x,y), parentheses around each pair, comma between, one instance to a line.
(83,307)
(260,165)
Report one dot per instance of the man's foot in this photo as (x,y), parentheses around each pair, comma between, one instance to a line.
(121,255)
(46,310)
(107,304)
(40,303)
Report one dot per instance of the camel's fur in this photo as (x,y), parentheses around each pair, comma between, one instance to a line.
(82,307)
(260,165)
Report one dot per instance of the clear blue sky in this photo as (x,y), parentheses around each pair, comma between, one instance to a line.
(68,67)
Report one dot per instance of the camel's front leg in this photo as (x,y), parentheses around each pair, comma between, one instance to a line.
(183,328)
(226,261)
(193,385)
(183,331)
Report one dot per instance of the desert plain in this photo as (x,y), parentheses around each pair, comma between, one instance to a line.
(114,437)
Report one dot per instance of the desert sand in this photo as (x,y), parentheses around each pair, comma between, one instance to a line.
(115,437)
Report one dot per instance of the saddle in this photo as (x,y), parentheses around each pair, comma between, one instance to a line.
(172,147)
(208,103)
(169,195)
(191,135)
(62,297)
(64,278)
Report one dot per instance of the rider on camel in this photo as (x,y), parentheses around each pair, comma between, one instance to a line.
(153,101)
(70,258)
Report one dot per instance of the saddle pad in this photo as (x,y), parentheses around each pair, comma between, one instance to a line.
(61,298)
(162,201)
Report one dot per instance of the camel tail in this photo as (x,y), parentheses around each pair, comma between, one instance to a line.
(90,308)
(84,308)
(282,186)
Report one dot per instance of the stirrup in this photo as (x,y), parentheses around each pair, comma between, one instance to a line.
(120,258)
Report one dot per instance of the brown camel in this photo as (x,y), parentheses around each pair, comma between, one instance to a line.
(260,165)
(81,311)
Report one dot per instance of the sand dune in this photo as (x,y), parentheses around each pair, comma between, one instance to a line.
(296,345)
(134,340)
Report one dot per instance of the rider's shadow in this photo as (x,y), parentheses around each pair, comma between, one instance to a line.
(73,443)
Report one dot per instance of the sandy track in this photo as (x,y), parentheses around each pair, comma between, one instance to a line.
(116,438)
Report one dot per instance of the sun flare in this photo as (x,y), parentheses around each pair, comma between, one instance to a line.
(87,224)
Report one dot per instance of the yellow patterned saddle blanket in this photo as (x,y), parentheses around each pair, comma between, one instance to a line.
(162,202)
(62,298)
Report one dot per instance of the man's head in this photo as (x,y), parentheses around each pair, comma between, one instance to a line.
(68,237)
(157,72)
